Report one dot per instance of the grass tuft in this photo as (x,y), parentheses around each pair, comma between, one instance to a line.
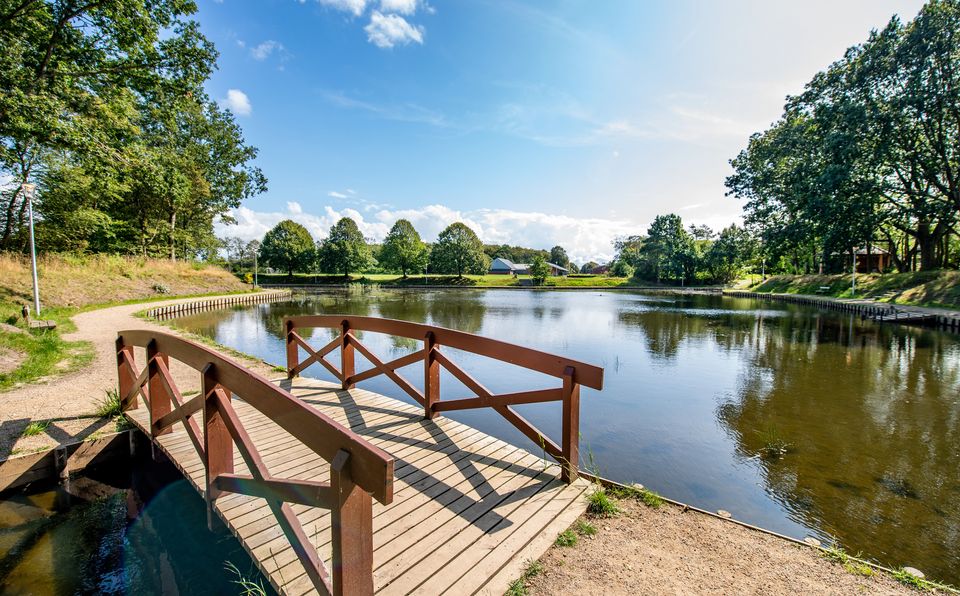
(774,445)
(109,406)
(647,497)
(35,428)
(600,504)
(585,528)
(247,586)
(566,538)
(518,587)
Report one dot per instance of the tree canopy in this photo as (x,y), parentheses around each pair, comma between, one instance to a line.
(458,250)
(103,106)
(403,250)
(344,250)
(868,154)
(288,247)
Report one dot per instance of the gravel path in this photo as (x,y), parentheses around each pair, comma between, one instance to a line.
(70,400)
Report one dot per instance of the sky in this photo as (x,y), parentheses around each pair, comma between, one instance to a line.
(536,123)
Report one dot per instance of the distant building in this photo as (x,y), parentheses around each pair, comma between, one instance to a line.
(877,260)
(501,266)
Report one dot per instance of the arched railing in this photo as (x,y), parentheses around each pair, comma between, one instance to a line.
(357,468)
(572,373)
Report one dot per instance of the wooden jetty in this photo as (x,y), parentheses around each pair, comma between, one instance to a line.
(334,489)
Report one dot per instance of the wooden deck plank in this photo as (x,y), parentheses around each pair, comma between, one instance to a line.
(468,511)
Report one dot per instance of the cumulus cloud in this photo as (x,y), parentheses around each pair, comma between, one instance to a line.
(237,102)
(585,239)
(389,30)
(263,50)
(401,6)
(355,7)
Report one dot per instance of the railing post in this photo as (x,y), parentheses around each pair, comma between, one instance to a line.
(431,376)
(217,442)
(159,397)
(571,426)
(346,355)
(352,526)
(125,377)
(293,353)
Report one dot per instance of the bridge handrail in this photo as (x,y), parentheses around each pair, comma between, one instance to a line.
(357,466)
(573,373)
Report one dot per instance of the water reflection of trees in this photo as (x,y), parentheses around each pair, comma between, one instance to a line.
(871,414)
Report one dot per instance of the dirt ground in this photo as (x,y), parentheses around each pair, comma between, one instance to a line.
(668,551)
(69,401)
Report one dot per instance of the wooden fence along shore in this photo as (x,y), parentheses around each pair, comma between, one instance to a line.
(337,490)
(200,305)
(866,309)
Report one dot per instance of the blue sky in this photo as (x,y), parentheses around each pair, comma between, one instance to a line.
(537,123)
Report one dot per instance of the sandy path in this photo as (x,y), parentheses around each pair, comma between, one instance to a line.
(70,400)
(668,551)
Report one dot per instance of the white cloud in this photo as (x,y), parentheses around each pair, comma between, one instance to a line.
(336,195)
(263,50)
(355,7)
(389,30)
(585,239)
(237,102)
(401,6)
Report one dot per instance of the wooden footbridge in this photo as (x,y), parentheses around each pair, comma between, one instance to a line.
(336,490)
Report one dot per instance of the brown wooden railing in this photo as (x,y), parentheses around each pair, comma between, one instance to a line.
(573,373)
(357,468)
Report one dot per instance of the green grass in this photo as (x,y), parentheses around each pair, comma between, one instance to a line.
(647,497)
(518,587)
(566,538)
(109,407)
(921,288)
(600,504)
(46,354)
(35,428)
(774,446)
(585,528)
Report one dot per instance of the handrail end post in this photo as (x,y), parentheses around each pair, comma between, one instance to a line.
(125,378)
(431,376)
(352,527)
(160,404)
(292,351)
(571,427)
(347,362)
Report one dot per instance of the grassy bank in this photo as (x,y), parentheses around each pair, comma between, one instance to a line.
(71,284)
(925,288)
(473,281)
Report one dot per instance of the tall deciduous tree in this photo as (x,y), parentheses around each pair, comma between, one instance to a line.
(345,249)
(287,247)
(558,256)
(458,250)
(72,73)
(403,250)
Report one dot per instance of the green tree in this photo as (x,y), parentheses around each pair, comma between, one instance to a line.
(589,266)
(558,256)
(344,250)
(621,268)
(539,270)
(287,247)
(668,251)
(729,254)
(73,76)
(458,250)
(403,250)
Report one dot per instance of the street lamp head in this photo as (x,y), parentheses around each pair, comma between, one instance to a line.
(28,189)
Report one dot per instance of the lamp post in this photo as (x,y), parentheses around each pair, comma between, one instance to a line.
(28,192)
(853,279)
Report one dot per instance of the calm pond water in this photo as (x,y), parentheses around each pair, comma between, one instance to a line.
(137,530)
(697,388)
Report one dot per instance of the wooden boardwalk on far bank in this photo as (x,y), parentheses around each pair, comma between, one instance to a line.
(469,510)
